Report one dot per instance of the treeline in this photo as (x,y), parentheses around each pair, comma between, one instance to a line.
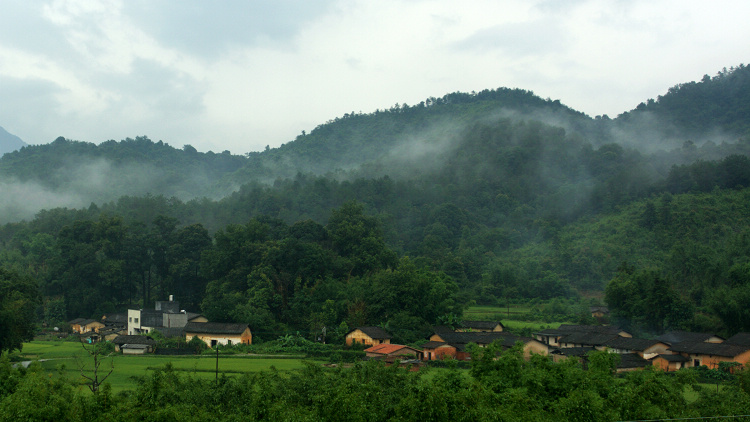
(499,386)
(274,276)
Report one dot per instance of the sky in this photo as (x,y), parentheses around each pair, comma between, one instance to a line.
(240,75)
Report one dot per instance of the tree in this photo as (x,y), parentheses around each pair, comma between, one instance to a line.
(19,297)
(99,352)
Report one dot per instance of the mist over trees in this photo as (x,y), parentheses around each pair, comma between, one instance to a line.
(402,216)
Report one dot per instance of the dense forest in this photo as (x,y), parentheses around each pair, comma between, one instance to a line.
(403,216)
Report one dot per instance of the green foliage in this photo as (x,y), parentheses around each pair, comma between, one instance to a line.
(19,297)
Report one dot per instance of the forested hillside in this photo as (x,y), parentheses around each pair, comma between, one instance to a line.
(403,216)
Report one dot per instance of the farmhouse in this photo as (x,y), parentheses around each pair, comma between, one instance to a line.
(368,335)
(215,333)
(644,348)
(711,354)
(134,344)
(674,337)
(386,350)
(82,325)
(453,344)
(568,335)
(483,326)
(669,362)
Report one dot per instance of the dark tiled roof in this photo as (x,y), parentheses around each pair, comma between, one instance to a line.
(628,343)
(632,360)
(435,344)
(716,349)
(374,332)
(587,339)
(739,339)
(191,315)
(119,318)
(573,351)
(673,337)
(480,325)
(482,338)
(134,340)
(588,329)
(671,358)
(215,328)
(76,321)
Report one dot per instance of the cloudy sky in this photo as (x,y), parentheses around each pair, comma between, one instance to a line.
(242,74)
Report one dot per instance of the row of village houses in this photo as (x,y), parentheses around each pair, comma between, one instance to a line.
(670,352)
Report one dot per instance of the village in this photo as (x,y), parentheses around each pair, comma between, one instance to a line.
(669,352)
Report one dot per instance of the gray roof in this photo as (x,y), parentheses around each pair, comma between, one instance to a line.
(671,358)
(128,339)
(628,343)
(574,351)
(673,337)
(716,349)
(134,346)
(589,329)
(587,339)
(481,338)
(374,332)
(480,325)
(215,328)
(739,339)
(632,360)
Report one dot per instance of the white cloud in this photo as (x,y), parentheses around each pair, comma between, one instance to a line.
(251,73)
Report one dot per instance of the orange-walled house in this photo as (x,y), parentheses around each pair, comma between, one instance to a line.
(711,354)
(386,350)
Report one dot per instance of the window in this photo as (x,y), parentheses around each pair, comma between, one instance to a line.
(136,320)
(229,342)
(130,319)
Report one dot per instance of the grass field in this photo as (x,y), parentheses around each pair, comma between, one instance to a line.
(494,312)
(70,356)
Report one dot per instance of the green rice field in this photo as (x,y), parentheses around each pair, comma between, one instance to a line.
(69,357)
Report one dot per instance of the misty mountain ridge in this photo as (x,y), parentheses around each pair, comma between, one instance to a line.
(9,142)
(696,120)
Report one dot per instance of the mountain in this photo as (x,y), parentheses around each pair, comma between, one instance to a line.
(501,193)
(9,142)
(714,109)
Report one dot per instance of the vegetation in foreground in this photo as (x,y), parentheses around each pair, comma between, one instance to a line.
(504,387)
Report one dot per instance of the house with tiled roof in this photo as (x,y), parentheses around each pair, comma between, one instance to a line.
(578,335)
(563,353)
(739,339)
(669,362)
(674,337)
(454,344)
(711,354)
(132,344)
(83,325)
(386,350)
(645,348)
(631,362)
(370,336)
(581,339)
(484,326)
(219,333)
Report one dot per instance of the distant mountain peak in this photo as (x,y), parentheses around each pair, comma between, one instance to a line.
(9,142)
